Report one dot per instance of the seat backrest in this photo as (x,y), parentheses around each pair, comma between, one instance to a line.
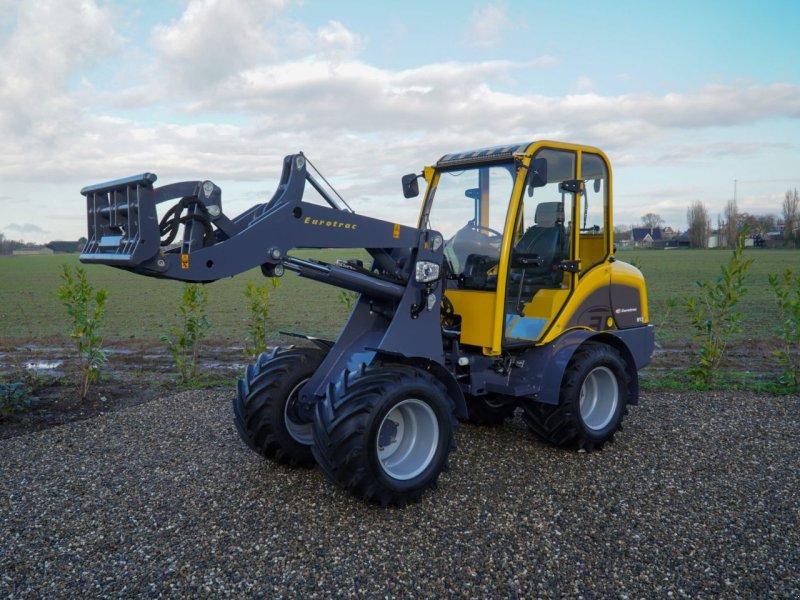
(549,214)
(544,238)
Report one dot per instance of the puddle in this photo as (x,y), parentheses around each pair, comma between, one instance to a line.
(223,365)
(43,365)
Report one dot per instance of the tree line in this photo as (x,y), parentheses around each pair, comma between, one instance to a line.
(8,246)
(732,222)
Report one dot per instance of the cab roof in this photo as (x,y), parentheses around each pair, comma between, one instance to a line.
(482,154)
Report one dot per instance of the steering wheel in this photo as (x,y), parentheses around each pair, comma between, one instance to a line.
(476,227)
(471,239)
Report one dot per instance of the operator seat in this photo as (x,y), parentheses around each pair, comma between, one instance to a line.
(545,239)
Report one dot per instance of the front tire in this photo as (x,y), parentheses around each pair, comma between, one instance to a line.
(593,400)
(385,434)
(265,408)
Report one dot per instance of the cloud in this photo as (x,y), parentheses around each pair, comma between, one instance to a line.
(489,23)
(336,42)
(584,84)
(716,150)
(24,228)
(213,38)
(49,44)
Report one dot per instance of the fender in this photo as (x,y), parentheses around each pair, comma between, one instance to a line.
(551,360)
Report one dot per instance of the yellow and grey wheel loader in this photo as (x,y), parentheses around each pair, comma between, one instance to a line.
(506,295)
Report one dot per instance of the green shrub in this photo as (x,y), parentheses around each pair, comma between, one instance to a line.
(669,306)
(713,316)
(184,344)
(15,396)
(258,322)
(787,297)
(85,309)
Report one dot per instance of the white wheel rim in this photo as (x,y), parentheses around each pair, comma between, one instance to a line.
(302,433)
(407,439)
(599,398)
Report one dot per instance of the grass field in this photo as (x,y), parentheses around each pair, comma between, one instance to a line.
(672,274)
(143,308)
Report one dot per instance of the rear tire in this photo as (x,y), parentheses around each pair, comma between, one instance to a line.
(265,411)
(488,410)
(593,400)
(385,434)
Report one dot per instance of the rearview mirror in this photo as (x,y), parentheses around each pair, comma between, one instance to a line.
(537,173)
(410,185)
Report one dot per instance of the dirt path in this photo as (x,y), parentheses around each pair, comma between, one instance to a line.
(139,371)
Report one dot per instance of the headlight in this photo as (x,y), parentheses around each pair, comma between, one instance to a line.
(426,271)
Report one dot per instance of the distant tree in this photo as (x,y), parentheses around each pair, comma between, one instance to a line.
(766,223)
(791,205)
(731,223)
(8,246)
(652,220)
(697,219)
(722,232)
(747,220)
(622,232)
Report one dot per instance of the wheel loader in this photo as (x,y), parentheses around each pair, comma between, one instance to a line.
(507,295)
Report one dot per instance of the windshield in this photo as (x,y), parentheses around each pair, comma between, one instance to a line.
(469,206)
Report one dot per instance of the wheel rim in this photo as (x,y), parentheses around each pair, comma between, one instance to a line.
(407,439)
(599,398)
(301,432)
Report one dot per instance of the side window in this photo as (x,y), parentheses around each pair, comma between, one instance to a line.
(541,239)
(593,212)
(560,167)
(593,171)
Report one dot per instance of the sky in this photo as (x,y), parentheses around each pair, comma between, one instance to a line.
(686,98)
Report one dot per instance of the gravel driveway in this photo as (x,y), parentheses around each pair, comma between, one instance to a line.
(697,497)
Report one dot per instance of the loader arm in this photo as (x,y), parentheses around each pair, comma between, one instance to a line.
(397,313)
(124,230)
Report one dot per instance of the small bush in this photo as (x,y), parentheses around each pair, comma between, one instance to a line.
(85,309)
(184,344)
(787,297)
(258,323)
(713,316)
(669,306)
(15,396)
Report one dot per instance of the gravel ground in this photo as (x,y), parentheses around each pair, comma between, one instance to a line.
(697,497)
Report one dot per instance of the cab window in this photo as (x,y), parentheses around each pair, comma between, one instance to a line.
(541,238)
(593,211)
(469,208)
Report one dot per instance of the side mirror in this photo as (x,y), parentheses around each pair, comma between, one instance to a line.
(410,185)
(537,173)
